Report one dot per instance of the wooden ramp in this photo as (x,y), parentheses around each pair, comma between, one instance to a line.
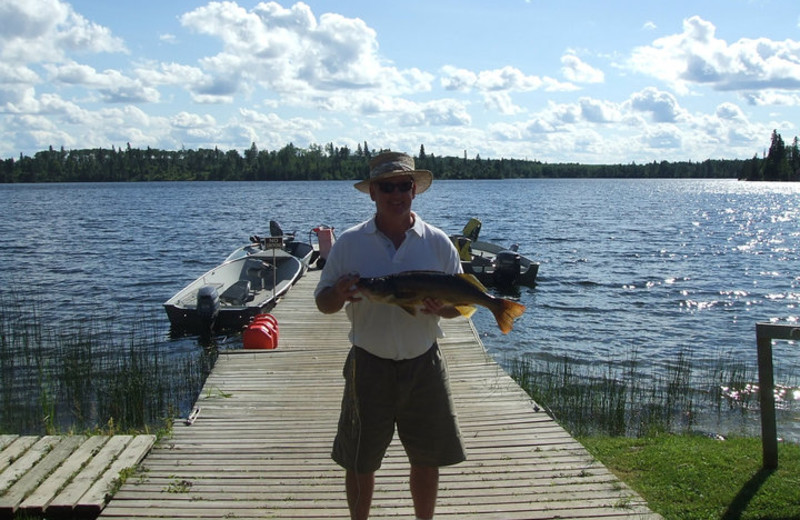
(64,476)
(260,444)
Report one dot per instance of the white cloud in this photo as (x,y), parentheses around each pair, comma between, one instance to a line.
(44,34)
(47,30)
(578,71)
(505,79)
(445,112)
(289,50)
(730,112)
(505,132)
(86,129)
(457,79)
(662,137)
(170,74)
(697,57)
(662,106)
(501,103)
(772,97)
(186,120)
(650,125)
(113,86)
(599,111)
(15,75)
(441,112)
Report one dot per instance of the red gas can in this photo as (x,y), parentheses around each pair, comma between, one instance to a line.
(262,333)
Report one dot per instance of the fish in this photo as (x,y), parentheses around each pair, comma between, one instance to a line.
(463,291)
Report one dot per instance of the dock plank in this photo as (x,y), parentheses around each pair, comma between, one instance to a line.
(260,446)
(64,476)
(38,500)
(67,499)
(95,498)
(6,439)
(10,500)
(26,460)
(16,447)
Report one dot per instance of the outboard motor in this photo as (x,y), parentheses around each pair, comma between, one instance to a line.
(275,229)
(207,304)
(507,267)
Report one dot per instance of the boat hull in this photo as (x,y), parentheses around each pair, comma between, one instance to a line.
(245,286)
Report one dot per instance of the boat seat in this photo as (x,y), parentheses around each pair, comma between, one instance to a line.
(256,277)
(481,261)
(472,229)
(237,294)
(464,247)
(259,273)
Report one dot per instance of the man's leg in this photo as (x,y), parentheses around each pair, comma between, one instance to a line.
(359,488)
(424,482)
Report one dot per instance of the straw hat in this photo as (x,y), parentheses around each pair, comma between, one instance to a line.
(395,164)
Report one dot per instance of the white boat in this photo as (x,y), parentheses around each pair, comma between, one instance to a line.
(493,264)
(303,250)
(231,294)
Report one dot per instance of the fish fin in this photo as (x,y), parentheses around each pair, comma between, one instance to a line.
(466,310)
(472,280)
(506,313)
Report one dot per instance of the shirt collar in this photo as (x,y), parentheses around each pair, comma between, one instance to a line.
(417,228)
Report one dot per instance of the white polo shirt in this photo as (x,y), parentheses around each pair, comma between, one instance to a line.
(386,330)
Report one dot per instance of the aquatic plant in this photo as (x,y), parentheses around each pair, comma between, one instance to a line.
(623,399)
(88,376)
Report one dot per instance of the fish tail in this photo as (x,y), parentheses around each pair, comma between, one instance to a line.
(506,313)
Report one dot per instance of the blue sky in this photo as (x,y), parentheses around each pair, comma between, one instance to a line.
(568,81)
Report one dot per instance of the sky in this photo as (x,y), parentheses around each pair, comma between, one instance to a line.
(591,82)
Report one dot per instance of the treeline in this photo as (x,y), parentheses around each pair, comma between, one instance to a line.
(342,163)
(782,163)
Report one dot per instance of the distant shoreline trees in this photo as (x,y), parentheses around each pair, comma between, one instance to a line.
(290,163)
(782,163)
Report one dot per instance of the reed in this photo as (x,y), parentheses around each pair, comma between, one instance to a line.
(627,399)
(90,377)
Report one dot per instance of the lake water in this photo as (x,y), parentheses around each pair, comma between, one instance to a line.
(648,269)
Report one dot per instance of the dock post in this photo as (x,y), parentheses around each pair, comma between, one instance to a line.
(765,333)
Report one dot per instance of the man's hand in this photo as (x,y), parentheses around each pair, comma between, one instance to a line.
(436,307)
(332,299)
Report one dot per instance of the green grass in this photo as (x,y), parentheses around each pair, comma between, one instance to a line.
(692,477)
(641,427)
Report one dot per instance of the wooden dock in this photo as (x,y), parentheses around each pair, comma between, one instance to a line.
(260,445)
(64,476)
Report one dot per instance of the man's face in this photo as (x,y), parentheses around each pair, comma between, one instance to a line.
(393,196)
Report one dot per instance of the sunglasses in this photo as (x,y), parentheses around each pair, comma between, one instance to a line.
(389,187)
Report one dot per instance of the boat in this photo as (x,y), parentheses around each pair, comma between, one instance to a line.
(494,265)
(304,251)
(231,294)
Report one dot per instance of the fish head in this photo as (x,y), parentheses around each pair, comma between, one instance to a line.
(389,290)
(375,288)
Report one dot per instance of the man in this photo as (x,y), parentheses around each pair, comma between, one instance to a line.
(395,373)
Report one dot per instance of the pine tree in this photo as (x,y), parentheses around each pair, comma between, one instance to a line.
(776,165)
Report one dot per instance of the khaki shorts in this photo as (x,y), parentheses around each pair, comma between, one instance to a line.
(414,394)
